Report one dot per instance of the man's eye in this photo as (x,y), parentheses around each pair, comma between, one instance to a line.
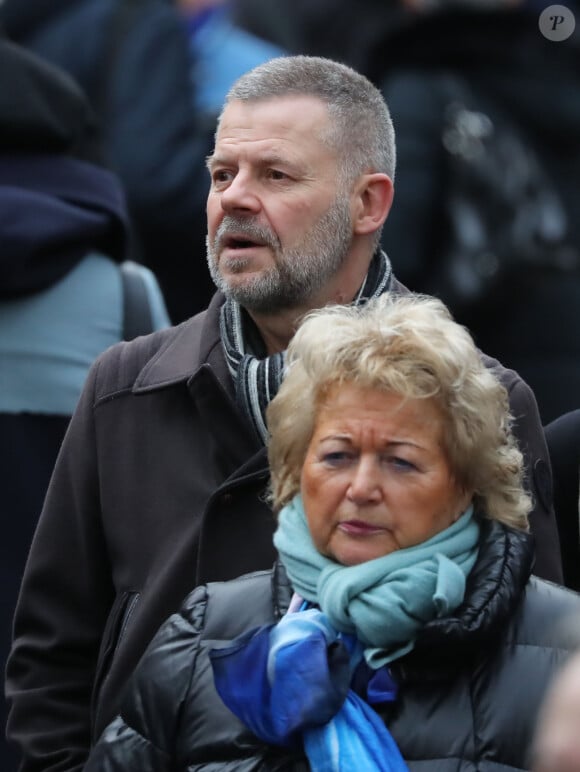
(276,174)
(222,175)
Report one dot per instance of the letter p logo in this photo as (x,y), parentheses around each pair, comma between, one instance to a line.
(557,23)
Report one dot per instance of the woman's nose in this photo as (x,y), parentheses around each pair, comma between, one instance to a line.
(365,484)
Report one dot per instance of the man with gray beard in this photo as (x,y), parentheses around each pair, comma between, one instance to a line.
(162,480)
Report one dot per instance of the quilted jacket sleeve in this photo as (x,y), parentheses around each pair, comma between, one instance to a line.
(143,737)
(121,749)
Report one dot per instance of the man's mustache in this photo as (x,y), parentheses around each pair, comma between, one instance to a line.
(253,231)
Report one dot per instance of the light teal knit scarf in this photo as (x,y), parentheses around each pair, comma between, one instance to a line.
(385,601)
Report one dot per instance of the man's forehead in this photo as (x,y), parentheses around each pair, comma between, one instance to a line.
(289,113)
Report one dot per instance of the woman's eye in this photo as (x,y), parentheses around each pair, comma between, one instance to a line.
(336,457)
(401,463)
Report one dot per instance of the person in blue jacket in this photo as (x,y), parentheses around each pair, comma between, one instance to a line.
(221,51)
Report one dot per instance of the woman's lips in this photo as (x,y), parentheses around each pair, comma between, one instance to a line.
(359,528)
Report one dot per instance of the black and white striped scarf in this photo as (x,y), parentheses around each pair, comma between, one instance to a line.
(258,378)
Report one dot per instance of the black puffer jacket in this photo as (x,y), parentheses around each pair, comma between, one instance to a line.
(469,692)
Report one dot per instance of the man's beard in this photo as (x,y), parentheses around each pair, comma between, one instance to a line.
(298,273)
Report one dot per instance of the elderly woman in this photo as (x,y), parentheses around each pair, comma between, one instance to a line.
(401,628)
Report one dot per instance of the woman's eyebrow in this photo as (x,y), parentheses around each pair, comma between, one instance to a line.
(388,444)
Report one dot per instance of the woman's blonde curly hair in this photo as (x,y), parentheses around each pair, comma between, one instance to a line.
(408,345)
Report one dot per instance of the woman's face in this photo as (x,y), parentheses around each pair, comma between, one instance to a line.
(376,478)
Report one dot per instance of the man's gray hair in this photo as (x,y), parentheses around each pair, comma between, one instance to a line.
(361,129)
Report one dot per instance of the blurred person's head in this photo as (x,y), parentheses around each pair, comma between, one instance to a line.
(42,109)
(58,202)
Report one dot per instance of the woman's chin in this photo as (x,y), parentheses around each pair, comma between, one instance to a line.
(356,553)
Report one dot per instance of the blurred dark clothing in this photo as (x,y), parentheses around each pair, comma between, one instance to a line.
(64,233)
(77,207)
(36,439)
(48,166)
(504,55)
(339,29)
(132,60)
(537,81)
(563,438)
(42,110)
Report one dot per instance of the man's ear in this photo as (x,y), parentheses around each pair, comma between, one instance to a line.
(372,199)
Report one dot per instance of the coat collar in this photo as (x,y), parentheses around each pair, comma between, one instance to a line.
(193,355)
(193,344)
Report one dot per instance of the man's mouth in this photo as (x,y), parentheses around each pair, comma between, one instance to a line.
(240,241)
(240,235)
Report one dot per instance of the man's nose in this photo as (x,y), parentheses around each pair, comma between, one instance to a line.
(241,194)
(366,482)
